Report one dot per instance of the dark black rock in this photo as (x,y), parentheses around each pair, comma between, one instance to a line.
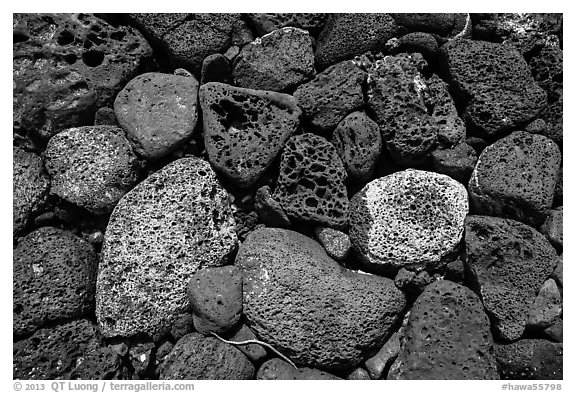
(67,66)
(507,262)
(331,95)
(442,24)
(530,359)
(458,162)
(547,67)
(347,35)
(358,142)
(496,83)
(100,364)
(266,23)
(216,68)
(54,279)
(105,117)
(311,185)
(245,129)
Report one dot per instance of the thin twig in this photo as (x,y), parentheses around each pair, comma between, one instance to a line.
(259,343)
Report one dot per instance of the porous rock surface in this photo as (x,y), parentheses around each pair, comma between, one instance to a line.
(277,369)
(331,95)
(66,66)
(496,82)
(515,177)
(198,357)
(266,23)
(407,219)
(175,222)
(303,303)
(158,111)
(245,129)
(91,166)
(447,337)
(442,24)
(30,185)
(310,186)
(54,279)
(530,359)
(547,308)
(508,262)
(277,61)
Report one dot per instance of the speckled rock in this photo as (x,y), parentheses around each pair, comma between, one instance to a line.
(547,308)
(215,295)
(303,303)
(311,186)
(30,185)
(66,66)
(100,364)
(496,83)
(530,359)
(458,162)
(412,283)
(245,129)
(396,99)
(254,352)
(278,369)
(91,167)
(277,61)
(554,117)
(54,353)
(175,222)
(442,24)
(197,357)
(336,243)
(358,374)
(515,178)
(410,219)
(547,69)
(420,42)
(141,355)
(552,228)
(347,35)
(331,95)
(216,68)
(358,142)
(384,357)
(158,112)
(447,337)
(269,210)
(54,278)
(559,189)
(188,39)
(451,128)
(508,262)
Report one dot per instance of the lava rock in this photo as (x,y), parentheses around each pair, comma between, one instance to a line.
(254,352)
(245,129)
(54,353)
(420,42)
(170,225)
(66,66)
(447,337)
(188,39)
(530,359)
(215,295)
(555,331)
(91,167)
(495,81)
(277,61)
(30,185)
(358,142)
(411,282)
(547,307)
(141,355)
(305,305)
(105,117)
(100,364)
(547,69)
(377,364)
(336,243)
(411,219)
(508,262)
(552,228)
(515,178)
(216,68)
(451,128)
(478,144)
(197,357)
(269,210)
(266,23)
(458,162)
(395,97)
(554,117)
(558,273)
(54,279)
(183,325)
(277,369)
(347,35)
(443,24)
(331,95)
(311,185)
(158,112)
(358,374)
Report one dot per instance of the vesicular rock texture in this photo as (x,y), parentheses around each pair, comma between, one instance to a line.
(175,222)
(447,337)
(303,303)
(408,219)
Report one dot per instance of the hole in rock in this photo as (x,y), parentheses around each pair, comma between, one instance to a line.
(93,58)
(65,38)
